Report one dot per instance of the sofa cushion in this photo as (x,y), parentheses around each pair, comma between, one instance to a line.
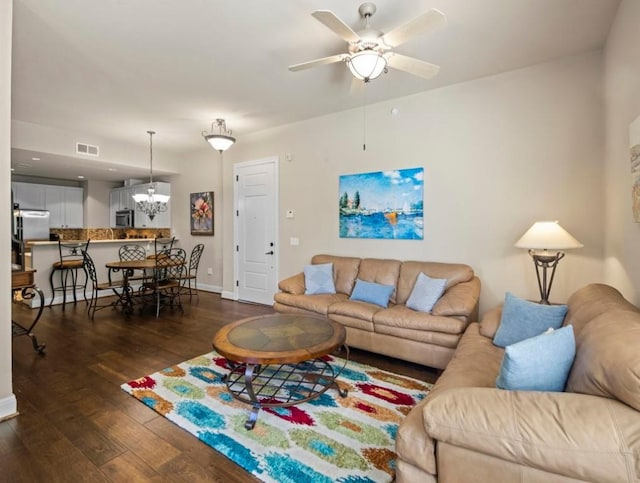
(573,438)
(541,363)
(374,293)
(454,273)
(355,309)
(380,271)
(345,270)
(522,319)
(426,293)
(401,317)
(608,359)
(318,279)
(314,303)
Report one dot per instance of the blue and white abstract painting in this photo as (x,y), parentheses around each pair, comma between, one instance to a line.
(383,204)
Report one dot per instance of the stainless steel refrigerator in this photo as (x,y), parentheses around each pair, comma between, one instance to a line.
(31,225)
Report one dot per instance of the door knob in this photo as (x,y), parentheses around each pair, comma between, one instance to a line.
(269,253)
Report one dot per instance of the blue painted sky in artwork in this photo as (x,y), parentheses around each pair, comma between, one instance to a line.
(385,189)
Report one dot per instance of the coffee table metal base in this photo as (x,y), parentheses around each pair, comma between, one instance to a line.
(273,385)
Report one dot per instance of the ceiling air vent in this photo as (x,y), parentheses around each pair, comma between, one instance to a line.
(87,149)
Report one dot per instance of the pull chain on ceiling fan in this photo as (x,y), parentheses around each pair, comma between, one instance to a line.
(369,50)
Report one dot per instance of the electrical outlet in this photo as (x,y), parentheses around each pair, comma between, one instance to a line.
(209,271)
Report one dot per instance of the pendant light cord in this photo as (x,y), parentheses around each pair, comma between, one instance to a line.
(151,133)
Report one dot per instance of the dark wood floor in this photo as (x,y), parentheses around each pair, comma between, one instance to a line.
(76,424)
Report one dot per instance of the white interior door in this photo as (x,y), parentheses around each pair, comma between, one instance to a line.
(256,230)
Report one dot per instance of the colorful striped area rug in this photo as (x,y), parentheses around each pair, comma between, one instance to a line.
(332,438)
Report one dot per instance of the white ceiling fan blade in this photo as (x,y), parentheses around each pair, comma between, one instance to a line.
(411,65)
(422,24)
(329,19)
(323,61)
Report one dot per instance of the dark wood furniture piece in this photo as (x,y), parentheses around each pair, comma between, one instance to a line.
(22,281)
(277,360)
(150,265)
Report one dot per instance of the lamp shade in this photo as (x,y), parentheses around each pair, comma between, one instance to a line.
(367,64)
(547,235)
(220,142)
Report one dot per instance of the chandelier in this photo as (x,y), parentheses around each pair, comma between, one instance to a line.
(150,203)
(222,140)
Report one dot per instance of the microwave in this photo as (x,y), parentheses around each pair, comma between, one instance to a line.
(124,219)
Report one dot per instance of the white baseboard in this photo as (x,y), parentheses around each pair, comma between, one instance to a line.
(8,407)
(228,295)
(210,288)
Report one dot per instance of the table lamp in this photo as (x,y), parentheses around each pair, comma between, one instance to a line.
(545,240)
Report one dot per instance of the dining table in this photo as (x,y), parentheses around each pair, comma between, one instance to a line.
(128,268)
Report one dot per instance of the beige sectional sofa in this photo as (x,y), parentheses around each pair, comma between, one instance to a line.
(396,331)
(467,430)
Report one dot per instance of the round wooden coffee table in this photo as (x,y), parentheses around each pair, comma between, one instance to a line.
(277,360)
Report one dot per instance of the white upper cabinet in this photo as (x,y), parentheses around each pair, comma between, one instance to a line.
(65,203)
(28,195)
(65,206)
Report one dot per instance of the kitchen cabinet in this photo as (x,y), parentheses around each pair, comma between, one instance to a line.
(65,203)
(28,195)
(65,206)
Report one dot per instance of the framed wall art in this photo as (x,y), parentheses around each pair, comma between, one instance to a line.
(634,145)
(201,213)
(383,204)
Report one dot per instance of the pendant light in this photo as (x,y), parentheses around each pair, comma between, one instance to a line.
(222,140)
(150,203)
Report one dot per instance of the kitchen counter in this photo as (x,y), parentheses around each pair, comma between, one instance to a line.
(118,240)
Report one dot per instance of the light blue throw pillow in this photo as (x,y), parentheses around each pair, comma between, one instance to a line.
(426,293)
(541,363)
(318,279)
(522,320)
(374,293)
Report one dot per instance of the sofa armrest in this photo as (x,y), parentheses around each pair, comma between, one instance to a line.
(460,300)
(490,322)
(293,285)
(575,435)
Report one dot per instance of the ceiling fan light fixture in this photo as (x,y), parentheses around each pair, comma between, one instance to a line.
(222,140)
(367,64)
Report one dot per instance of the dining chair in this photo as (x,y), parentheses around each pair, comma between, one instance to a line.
(98,287)
(70,262)
(128,253)
(191,272)
(164,287)
(163,245)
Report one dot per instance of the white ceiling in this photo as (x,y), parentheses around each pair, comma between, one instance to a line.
(121,67)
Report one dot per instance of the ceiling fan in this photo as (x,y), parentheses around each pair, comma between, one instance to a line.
(369,50)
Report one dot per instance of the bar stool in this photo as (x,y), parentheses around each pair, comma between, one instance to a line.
(71,261)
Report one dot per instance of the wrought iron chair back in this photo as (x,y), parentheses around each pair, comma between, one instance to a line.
(131,252)
(68,265)
(97,286)
(162,246)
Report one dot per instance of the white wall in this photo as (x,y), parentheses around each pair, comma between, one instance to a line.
(499,153)
(7,399)
(201,171)
(622,96)
(96,203)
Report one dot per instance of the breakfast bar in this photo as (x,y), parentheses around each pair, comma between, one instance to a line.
(45,253)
